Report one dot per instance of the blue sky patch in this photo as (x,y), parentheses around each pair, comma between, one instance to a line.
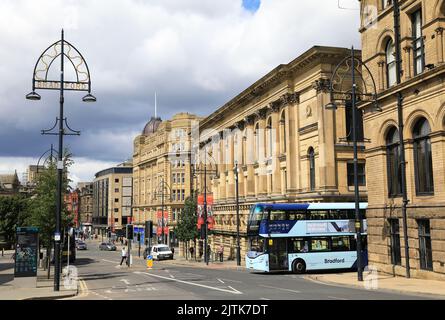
(251,5)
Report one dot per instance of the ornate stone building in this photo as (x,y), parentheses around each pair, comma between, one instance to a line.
(288,146)
(112,193)
(161,164)
(423,89)
(86,205)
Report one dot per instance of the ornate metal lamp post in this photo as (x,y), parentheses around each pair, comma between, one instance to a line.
(41,80)
(352,82)
(205,171)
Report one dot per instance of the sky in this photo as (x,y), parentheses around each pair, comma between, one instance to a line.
(195,54)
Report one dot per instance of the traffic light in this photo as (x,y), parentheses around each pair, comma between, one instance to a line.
(149,229)
(129,231)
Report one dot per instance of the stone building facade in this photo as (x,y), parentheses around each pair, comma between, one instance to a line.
(85,205)
(112,198)
(161,164)
(423,89)
(288,146)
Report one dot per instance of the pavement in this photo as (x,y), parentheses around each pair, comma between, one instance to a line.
(42,289)
(383,282)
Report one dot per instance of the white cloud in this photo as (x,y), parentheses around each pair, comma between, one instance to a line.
(197,54)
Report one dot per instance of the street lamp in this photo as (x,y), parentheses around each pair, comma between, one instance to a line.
(238,248)
(353,67)
(82,82)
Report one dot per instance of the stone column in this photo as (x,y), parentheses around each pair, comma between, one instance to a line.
(262,172)
(293,164)
(250,156)
(276,172)
(382,78)
(230,164)
(439,44)
(407,62)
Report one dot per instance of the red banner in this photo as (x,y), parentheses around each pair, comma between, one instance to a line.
(162,223)
(210,219)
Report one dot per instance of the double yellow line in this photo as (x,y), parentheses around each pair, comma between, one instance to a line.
(83,289)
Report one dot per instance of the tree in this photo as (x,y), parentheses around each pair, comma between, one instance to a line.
(186,229)
(43,204)
(13,213)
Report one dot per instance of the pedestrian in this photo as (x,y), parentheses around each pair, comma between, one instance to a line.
(173,252)
(191,252)
(124,255)
(221,252)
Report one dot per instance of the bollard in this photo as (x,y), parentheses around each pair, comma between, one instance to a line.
(3,252)
(149,262)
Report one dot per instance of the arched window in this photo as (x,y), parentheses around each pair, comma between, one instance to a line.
(423,163)
(257,142)
(311,156)
(269,137)
(391,72)
(283,132)
(393,163)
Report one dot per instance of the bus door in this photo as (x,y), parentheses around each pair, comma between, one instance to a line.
(278,254)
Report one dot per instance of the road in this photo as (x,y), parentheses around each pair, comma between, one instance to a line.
(103,279)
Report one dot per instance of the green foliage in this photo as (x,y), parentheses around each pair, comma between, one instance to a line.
(13,213)
(43,204)
(186,228)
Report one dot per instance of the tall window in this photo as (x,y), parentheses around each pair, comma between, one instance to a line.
(393,163)
(311,156)
(283,131)
(396,257)
(361,174)
(423,163)
(418,49)
(425,250)
(391,72)
(269,137)
(359,123)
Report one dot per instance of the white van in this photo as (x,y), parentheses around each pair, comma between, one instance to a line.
(161,252)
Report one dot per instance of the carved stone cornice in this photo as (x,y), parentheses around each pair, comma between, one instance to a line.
(322,85)
(250,119)
(240,125)
(261,113)
(290,98)
(439,30)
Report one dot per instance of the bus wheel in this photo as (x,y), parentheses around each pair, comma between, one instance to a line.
(299,266)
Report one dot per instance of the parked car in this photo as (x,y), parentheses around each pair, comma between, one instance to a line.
(108,246)
(159,252)
(80,245)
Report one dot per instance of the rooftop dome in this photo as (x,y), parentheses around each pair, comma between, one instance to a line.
(151,126)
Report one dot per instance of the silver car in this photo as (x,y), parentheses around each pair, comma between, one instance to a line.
(108,246)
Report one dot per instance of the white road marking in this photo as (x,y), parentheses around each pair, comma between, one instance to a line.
(125,281)
(282,289)
(264,299)
(336,298)
(233,291)
(220,280)
(110,261)
(236,281)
